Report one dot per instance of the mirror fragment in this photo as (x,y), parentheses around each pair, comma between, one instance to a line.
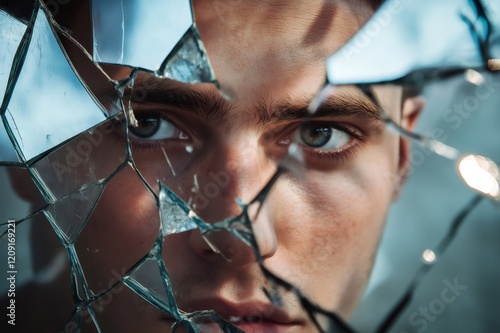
(58,108)
(415,42)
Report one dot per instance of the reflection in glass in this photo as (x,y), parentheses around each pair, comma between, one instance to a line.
(158,36)
(421,39)
(137,33)
(12,32)
(69,215)
(7,151)
(58,108)
(87,159)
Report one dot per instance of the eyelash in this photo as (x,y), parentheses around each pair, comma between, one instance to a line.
(339,156)
(154,145)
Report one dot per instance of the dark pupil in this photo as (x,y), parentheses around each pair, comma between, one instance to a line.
(147,127)
(315,136)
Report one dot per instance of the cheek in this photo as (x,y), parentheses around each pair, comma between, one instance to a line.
(330,229)
(121,230)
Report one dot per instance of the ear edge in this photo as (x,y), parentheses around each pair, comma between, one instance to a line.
(411,110)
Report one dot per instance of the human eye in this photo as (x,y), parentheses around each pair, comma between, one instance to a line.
(155,127)
(325,139)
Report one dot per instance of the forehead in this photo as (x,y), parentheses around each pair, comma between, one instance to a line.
(258,44)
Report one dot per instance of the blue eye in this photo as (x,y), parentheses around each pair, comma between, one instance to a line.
(155,128)
(321,136)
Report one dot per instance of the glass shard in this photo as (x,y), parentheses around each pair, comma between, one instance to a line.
(83,318)
(38,273)
(406,36)
(115,303)
(11,32)
(149,280)
(174,213)
(89,158)
(7,150)
(69,215)
(96,79)
(58,108)
(189,62)
(167,43)
(80,289)
(492,10)
(176,217)
(136,33)
(106,259)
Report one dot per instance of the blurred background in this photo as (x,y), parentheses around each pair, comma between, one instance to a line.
(431,199)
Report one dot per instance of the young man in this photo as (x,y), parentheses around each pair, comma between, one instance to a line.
(319,225)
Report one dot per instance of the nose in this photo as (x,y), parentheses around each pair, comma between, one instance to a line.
(240,169)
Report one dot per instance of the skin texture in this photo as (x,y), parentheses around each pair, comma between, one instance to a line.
(321,223)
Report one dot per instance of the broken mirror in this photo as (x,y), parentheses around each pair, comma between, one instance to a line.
(213,166)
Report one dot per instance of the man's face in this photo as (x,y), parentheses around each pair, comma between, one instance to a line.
(319,225)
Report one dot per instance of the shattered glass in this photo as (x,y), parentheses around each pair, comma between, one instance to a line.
(124,197)
(9,155)
(12,32)
(68,215)
(75,112)
(462,37)
(167,43)
(79,163)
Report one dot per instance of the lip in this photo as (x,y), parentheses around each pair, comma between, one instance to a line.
(250,316)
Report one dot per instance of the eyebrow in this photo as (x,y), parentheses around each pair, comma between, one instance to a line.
(207,104)
(211,106)
(342,105)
